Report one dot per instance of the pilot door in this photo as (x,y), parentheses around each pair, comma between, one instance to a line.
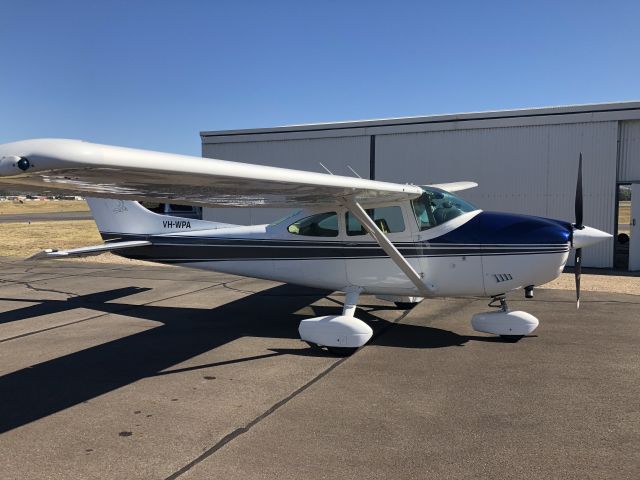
(367,264)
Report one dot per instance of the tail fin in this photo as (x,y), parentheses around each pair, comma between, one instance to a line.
(126,217)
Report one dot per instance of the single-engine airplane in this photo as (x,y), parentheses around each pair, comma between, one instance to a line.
(401,242)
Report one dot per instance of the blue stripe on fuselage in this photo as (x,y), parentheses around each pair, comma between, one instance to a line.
(508,228)
(488,233)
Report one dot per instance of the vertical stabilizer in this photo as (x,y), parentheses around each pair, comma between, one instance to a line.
(123,216)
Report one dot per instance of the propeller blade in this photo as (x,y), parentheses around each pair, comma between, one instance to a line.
(578,223)
(578,271)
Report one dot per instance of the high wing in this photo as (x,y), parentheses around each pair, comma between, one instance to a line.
(132,174)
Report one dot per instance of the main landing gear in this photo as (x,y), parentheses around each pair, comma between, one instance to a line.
(510,325)
(340,334)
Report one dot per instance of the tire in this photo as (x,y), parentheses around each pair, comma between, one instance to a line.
(313,346)
(341,351)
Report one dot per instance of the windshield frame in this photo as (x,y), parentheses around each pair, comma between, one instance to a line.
(433,193)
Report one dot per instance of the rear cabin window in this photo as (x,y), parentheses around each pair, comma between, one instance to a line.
(173,207)
(319,225)
(155,207)
(388,220)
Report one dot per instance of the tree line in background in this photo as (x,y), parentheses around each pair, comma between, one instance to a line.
(625,193)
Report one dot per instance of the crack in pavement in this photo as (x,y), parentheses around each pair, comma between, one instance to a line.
(47,290)
(246,428)
(123,310)
(8,283)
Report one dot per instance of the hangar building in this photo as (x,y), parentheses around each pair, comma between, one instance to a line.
(525,161)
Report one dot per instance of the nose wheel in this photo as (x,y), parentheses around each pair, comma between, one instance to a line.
(499,301)
(509,325)
(336,351)
(502,300)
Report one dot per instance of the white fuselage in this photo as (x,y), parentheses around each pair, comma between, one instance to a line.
(338,263)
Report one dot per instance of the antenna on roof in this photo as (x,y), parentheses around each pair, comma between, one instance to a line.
(328,171)
(354,172)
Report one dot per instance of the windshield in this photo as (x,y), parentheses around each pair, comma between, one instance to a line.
(435,207)
(286,217)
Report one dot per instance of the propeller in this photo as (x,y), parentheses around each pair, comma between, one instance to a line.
(578,226)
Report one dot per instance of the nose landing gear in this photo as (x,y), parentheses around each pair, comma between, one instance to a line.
(509,325)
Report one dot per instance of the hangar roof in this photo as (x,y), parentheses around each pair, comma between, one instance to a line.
(595,112)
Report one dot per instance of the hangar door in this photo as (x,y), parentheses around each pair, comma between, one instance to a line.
(634,237)
(629,173)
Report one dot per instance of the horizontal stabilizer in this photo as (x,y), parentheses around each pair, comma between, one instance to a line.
(455,186)
(88,251)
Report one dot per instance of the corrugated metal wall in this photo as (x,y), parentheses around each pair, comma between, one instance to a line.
(629,168)
(304,154)
(527,169)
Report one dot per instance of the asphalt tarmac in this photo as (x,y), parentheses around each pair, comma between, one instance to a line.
(111,371)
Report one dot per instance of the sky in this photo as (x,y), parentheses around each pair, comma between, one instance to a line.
(153,74)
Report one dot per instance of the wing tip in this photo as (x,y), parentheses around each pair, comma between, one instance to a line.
(46,253)
(455,186)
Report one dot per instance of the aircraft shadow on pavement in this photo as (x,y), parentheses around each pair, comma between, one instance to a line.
(49,307)
(51,386)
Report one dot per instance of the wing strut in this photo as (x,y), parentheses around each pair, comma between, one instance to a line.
(356,209)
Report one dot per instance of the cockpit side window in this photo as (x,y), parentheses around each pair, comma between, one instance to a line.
(435,207)
(319,225)
(388,220)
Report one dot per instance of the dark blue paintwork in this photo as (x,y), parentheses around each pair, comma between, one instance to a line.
(495,228)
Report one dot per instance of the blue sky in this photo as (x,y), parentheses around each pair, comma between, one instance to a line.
(152,74)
